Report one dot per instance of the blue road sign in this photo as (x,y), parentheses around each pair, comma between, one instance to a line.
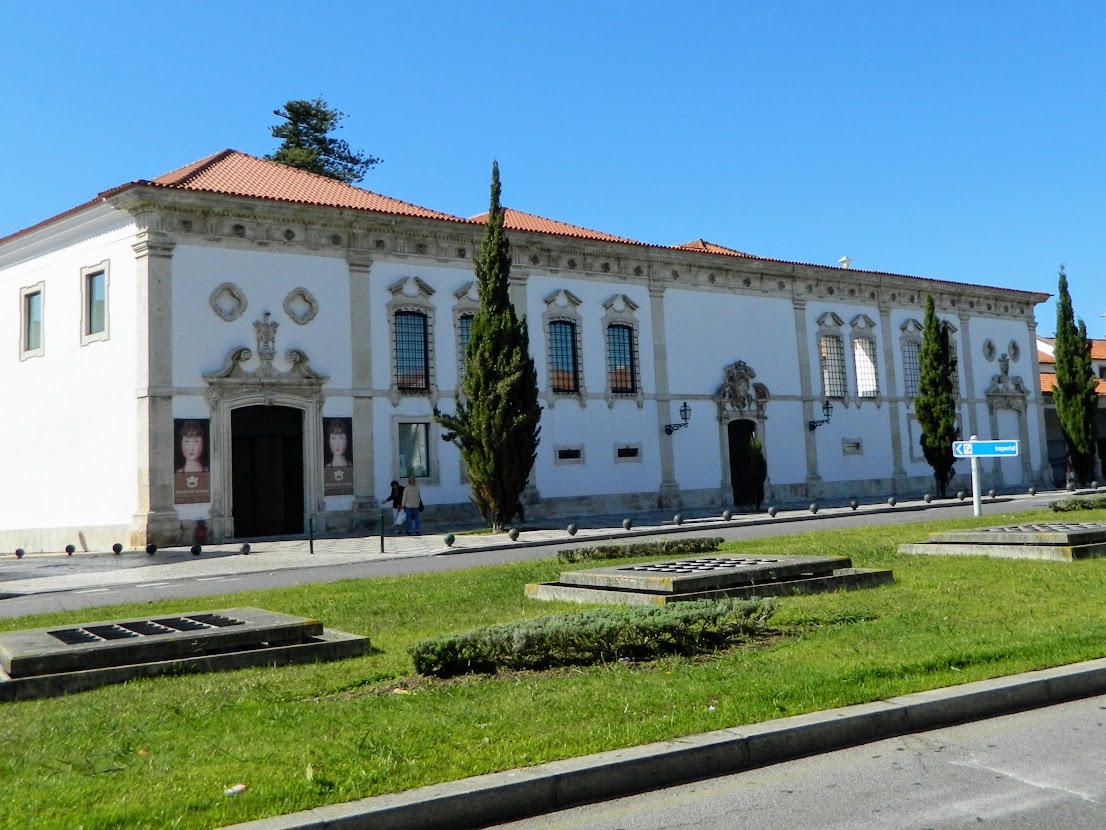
(984,449)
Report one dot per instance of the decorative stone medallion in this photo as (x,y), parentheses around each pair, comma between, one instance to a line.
(228,301)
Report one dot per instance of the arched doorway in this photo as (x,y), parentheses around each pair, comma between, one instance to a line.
(744,488)
(267,470)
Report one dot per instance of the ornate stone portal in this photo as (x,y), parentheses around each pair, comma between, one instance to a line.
(739,398)
(233,386)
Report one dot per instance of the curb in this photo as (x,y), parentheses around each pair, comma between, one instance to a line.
(507,796)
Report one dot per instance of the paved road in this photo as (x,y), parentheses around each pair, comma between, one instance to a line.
(40,583)
(1037,770)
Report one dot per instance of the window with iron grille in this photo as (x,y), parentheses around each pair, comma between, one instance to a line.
(464,328)
(412,353)
(620,359)
(564,374)
(911,367)
(864,361)
(833,365)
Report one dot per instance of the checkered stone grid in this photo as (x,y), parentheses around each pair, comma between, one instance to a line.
(1045,527)
(702,565)
(141,628)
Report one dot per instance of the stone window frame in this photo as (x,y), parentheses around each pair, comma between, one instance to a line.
(418,303)
(911,332)
(467,305)
(559,448)
(87,273)
(635,459)
(25,293)
(433,439)
(622,311)
(567,312)
(852,446)
(308,298)
(830,325)
(863,329)
(236,294)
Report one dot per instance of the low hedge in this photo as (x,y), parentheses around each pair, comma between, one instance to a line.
(1078,503)
(596,636)
(669,547)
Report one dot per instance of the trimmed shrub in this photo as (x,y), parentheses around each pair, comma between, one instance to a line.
(1078,503)
(669,547)
(597,636)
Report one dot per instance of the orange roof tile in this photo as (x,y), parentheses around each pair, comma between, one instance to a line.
(238,174)
(712,248)
(1049,378)
(1098,351)
(516,220)
(1045,359)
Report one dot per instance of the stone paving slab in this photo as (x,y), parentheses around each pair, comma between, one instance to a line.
(675,576)
(1048,533)
(1055,553)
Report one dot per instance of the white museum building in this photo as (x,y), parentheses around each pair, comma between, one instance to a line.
(255,347)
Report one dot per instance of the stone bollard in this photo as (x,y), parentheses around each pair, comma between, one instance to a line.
(960,494)
(196,550)
(1032,491)
(772,511)
(677,519)
(151,549)
(117,548)
(571,530)
(513,534)
(814,507)
(449,540)
(19,553)
(854,504)
(244,550)
(69,549)
(927,498)
(727,514)
(627,524)
(892,501)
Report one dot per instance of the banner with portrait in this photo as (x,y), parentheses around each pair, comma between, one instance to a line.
(191,461)
(338,456)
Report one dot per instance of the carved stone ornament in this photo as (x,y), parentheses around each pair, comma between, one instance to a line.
(266,329)
(228,302)
(989,350)
(301,306)
(1006,392)
(1014,350)
(738,396)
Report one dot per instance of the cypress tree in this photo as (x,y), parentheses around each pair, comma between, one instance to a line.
(935,406)
(1075,391)
(496,424)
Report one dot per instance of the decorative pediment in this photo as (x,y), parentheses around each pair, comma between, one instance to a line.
(620,303)
(467,292)
(411,287)
(829,320)
(1006,391)
(912,327)
(563,298)
(862,322)
(738,394)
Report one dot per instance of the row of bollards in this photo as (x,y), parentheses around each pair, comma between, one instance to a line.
(151,549)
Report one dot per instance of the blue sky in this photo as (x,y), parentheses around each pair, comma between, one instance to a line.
(955,140)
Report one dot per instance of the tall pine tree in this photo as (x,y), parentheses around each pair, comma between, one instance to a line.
(496,424)
(308,145)
(935,405)
(1075,391)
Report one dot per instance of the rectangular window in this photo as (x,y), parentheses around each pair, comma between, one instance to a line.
(911,368)
(569,454)
(96,303)
(564,374)
(833,365)
(31,310)
(412,352)
(864,359)
(464,329)
(620,359)
(414,450)
(627,453)
(33,315)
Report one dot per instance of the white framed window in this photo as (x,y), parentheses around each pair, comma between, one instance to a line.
(464,311)
(865,368)
(411,332)
(568,453)
(565,371)
(415,448)
(831,356)
(32,311)
(620,327)
(94,303)
(627,453)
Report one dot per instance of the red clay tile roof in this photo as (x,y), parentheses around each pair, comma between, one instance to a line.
(237,174)
(516,220)
(1098,351)
(1049,378)
(712,248)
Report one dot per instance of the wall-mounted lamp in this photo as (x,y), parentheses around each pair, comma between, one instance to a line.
(827,410)
(685,415)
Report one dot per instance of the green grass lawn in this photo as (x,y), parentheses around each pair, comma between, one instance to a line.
(159,753)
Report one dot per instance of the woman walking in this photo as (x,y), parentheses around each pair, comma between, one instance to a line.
(412,505)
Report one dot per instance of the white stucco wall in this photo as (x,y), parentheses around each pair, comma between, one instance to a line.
(69,455)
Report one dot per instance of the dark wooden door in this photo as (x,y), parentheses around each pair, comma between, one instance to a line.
(739,433)
(267,470)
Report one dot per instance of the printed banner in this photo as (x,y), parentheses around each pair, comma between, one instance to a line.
(337,456)
(192,462)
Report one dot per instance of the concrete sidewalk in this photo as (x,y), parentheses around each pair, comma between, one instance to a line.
(38,573)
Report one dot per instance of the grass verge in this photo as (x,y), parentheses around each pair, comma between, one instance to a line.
(159,753)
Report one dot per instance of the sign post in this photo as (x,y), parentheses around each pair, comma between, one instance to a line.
(976,450)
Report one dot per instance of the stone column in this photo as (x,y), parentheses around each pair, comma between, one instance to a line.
(669,495)
(365,501)
(517,288)
(891,396)
(806,390)
(1042,470)
(155,520)
(964,359)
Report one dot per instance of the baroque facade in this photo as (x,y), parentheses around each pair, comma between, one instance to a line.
(253,347)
